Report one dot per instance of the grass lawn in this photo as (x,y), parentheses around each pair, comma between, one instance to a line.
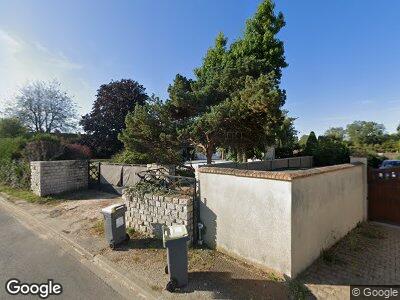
(24,194)
(27,195)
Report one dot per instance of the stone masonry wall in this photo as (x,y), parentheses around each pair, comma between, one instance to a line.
(55,177)
(147,214)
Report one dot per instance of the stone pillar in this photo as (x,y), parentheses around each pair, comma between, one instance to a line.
(56,177)
(364,161)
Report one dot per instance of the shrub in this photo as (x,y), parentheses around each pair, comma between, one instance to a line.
(298,290)
(185,171)
(329,256)
(77,151)
(11,148)
(43,147)
(15,173)
(330,151)
(129,157)
(11,127)
(327,151)
(374,160)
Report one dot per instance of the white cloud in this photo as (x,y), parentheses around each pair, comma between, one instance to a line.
(366,102)
(10,42)
(22,61)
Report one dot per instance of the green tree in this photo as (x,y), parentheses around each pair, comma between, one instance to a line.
(182,104)
(11,127)
(365,133)
(337,133)
(286,141)
(258,55)
(201,128)
(253,119)
(150,136)
(259,51)
(11,148)
(44,107)
(311,145)
(226,101)
(390,144)
(212,81)
(330,151)
(303,141)
(107,118)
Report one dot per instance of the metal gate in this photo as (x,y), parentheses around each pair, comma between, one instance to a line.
(94,174)
(112,177)
(384,195)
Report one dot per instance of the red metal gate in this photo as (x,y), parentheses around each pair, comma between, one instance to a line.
(384,195)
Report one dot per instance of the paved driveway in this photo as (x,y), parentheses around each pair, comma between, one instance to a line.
(369,255)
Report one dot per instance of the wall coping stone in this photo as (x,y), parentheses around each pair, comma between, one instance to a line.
(286,175)
(57,161)
(120,164)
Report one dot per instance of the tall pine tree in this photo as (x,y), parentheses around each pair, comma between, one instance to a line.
(229,83)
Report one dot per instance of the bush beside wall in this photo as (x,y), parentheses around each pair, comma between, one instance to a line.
(15,173)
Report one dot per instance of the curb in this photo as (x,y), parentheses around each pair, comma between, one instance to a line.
(99,265)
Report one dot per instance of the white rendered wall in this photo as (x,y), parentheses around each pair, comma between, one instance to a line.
(325,207)
(248,217)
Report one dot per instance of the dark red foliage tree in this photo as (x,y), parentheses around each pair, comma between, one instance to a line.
(107,118)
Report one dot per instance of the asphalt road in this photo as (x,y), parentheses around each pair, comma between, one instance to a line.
(34,259)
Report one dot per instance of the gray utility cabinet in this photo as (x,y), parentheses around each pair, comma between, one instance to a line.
(114,224)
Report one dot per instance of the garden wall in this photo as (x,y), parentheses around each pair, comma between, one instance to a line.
(325,207)
(302,162)
(148,213)
(55,177)
(115,177)
(280,219)
(247,217)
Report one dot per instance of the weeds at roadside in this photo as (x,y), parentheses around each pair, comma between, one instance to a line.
(23,194)
(329,256)
(156,288)
(353,242)
(130,231)
(26,195)
(274,277)
(98,227)
(200,258)
(370,231)
(298,291)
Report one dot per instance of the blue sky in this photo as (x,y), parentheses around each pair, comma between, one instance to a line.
(343,55)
